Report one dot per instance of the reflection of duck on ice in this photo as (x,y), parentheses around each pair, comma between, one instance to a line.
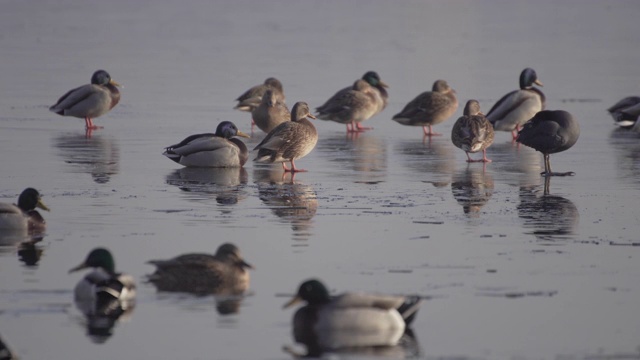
(472,189)
(550,216)
(98,155)
(225,183)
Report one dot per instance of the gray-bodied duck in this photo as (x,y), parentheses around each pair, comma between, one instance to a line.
(221,149)
(90,101)
(625,112)
(350,319)
(473,132)
(351,107)
(250,99)
(24,216)
(550,132)
(373,79)
(290,140)
(271,112)
(103,287)
(429,108)
(225,273)
(517,107)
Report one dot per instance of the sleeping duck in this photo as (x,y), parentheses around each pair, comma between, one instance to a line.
(429,108)
(351,107)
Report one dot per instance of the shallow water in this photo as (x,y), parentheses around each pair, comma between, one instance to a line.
(510,273)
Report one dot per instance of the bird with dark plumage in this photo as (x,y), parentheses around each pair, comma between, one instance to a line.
(250,99)
(290,140)
(517,107)
(224,273)
(89,101)
(429,108)
(626,112)
(350,319)
(24,216)
(550,132)
(473,132)
(221,149)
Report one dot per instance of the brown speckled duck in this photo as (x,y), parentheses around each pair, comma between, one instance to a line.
(351,107)
(429,108)
(473,132)
(290,140)
(91,100)
(224,273)
(251,98)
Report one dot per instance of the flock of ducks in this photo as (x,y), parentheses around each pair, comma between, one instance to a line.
(291,136)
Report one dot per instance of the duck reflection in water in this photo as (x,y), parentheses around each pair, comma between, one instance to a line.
(353,323)
(291,201)
(226,184)
(551,217)
(472,188)
(626,146)
(98,156)
(364,153)
(224,275)
(433,158)
(29,252)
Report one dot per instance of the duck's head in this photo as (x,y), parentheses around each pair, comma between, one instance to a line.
(227,130)
(300,111)
(274,84)
(373,79)
(312,291)
(441,86)
(30,199)
(269,98)
(472,108)
(361,85)
(102,77)
(98,258)
(528,77)
(230,253)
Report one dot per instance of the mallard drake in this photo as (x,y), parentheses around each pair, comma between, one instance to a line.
(429,108)
(373,79)
(517,107)
(473,132)
(91,100)
(24,216)
(251,98)
(351,107)
(99,289)
(550,132)
(211,150)
(332,321)
(625,112)
(290,140)
(224,273)
(271,112)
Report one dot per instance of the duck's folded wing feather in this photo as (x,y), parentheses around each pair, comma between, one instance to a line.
(74,96)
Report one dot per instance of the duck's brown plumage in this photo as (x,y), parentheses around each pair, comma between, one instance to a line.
(473,132)
(429,108)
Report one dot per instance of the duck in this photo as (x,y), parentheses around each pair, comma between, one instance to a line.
(625,112)
(24,216)
(473,132)
(380,92)
(518,106)
(550,132)
(350,319)
(219,150)
(224,273)
(250,99)
(290,140)
(103,289)
(429,108)
(89,101)
(271,112)
(352,107)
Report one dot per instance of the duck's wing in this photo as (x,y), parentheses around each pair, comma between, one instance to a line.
(507,104)
(6,209)
(332,99)
(74,97)
(416,107)
(197,143)
(368,300)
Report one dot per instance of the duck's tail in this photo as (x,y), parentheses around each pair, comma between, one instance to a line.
(409,309)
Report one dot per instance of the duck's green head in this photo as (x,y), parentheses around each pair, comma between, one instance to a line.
(98,258)
(102,77)
(313,292)
(230,253)
(528,77)
(227,130)
(373,79)
(300,110)
(30,199)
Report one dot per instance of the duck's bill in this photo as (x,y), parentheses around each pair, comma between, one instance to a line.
(79,267)
(241,134)
(538,82)
(40,204)
(245,264)
(383,84)
(295,300)
(311,116)
(115,83)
